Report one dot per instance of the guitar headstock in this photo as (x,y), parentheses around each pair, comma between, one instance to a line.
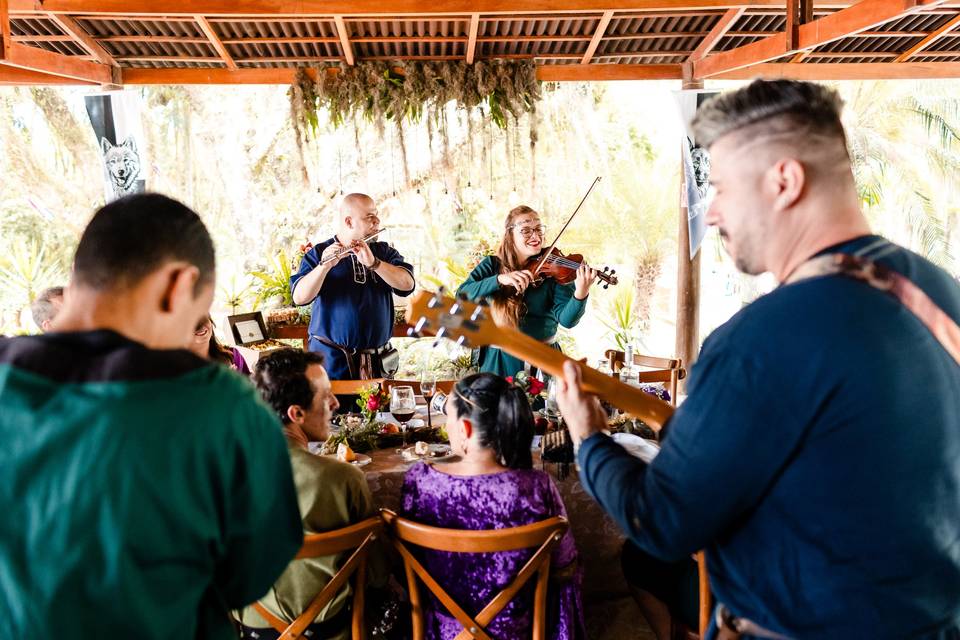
(437,314)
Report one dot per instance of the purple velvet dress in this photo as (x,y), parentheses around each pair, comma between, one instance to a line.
(494,501)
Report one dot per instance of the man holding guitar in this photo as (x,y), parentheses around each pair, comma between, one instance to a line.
(817,457)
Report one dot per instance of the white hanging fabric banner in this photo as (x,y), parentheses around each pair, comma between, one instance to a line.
(115,118)
(696,168)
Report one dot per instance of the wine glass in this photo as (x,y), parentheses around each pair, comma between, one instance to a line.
(428,387)
(402,406)
(550,407)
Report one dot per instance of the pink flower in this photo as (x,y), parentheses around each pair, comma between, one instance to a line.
(373,404)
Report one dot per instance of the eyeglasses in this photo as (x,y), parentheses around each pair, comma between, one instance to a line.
(528,232)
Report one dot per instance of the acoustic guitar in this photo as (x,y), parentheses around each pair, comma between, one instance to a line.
(469,325)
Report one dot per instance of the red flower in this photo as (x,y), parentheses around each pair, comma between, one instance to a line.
(536,386)
(510,379)
(306,247)
(373,403)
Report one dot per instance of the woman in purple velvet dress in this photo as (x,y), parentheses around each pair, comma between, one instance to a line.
(206,345)
(492,486)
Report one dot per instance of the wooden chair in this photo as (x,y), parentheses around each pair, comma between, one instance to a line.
(446,386)
(359,537)
(544,535)
(352,387)
(668,370)
(706,597)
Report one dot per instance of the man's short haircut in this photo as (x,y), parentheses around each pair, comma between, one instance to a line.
(42,308)
(281,379)
(134,236)
(765,108)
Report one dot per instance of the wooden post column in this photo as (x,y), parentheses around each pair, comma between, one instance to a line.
(688,279)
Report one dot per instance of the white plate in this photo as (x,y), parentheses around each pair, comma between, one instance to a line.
(361,460)
(637,447)
(439,452)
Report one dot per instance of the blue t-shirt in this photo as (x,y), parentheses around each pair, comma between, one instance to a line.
(817,459)
(354,307)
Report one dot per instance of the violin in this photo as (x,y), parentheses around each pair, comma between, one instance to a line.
(552,263)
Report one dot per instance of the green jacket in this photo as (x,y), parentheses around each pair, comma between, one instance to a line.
(548,307)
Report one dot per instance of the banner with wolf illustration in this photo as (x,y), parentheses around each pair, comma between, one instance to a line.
(696,168)
(115,118)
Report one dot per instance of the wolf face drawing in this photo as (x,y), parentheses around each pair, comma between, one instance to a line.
(122,163)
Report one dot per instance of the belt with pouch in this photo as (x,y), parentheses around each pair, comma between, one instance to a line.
(361,362)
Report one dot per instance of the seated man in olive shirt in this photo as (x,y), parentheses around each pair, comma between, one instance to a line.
(331,494)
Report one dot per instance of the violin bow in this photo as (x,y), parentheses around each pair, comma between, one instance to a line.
(546,254)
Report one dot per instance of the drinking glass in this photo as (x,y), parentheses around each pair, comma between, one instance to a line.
(551,408)
(428,387)
(403,404)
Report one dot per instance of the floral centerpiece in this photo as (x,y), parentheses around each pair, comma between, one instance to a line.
(372,400)
(535,389)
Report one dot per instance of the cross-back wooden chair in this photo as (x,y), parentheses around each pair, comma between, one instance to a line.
(667,370)
(543,535)
(358,537)
(352,387)
(446,386)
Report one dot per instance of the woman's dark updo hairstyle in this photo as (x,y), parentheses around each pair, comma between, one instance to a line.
(502,417)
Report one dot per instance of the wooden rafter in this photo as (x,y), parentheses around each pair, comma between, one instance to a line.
(326,8)
(597,37)
(950,25)
(344,36)
(715,34)
(73,29)
(5,40)
(472,37)
(214,39)
(42,61)
(862,16)
(13,76)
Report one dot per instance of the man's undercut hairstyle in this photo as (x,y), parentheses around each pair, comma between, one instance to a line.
(42,308)
(135,235)
(803,112)
(281,379)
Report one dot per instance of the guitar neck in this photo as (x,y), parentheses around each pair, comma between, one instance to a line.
(653,411)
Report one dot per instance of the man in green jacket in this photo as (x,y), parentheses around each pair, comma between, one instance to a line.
(145,491)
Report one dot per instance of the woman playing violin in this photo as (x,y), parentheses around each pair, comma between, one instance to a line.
(520,299)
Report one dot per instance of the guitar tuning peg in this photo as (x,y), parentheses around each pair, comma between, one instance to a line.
(435,302)
(477,315)
(412,333)
(422,323)
(455,309)
(440,335)
(462,341)
(613,271)
(605,269)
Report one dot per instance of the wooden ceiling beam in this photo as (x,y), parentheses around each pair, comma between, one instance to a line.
(12,76)
(597,36)
(73,29)
(344,36)
(862,16)
(717,33)
(156,39)
(472,37)
(275,9)
(950,25)
(848,71)
(190,59)
(43,61)
(5,39)
(41,38)
(214,39)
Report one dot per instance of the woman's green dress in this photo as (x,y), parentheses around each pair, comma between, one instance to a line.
(549,305)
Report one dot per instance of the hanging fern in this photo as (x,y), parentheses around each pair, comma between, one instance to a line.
(379,91)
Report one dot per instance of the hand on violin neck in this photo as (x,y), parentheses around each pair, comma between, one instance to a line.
(517,279)
(586,276)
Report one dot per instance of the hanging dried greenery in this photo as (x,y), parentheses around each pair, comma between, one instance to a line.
(380,91)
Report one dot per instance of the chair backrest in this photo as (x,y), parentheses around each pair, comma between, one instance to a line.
(352,387)
(706,597)
(446,386)
(668,370)
(358,537)
(544,535)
